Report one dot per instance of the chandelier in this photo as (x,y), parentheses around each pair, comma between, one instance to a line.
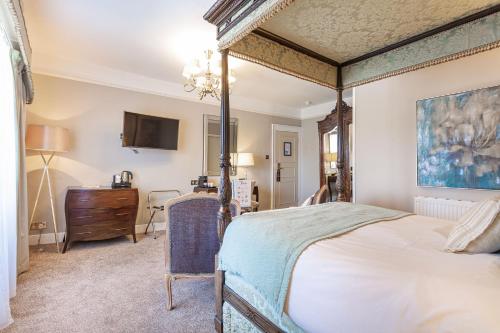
(204,76)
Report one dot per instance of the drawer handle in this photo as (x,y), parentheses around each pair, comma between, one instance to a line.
(84,217)
(84,200)
(121,229)
(84,233)
(122,199)
(121,214)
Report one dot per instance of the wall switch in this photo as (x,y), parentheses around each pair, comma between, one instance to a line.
(39,225)
(194,181)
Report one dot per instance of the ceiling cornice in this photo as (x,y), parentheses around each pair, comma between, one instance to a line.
(110,77)
(321,110)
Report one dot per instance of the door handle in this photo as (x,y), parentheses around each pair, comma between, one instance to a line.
(278,172)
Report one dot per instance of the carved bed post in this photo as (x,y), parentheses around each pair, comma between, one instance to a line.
(224,214)
(341,196)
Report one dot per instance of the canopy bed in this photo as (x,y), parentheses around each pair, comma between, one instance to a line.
(340,45)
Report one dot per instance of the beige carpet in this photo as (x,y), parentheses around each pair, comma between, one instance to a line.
(108,286)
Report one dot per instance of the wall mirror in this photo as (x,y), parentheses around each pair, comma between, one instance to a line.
(328,135)
(211,144)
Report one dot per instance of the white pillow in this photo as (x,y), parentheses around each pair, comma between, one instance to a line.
(478,231)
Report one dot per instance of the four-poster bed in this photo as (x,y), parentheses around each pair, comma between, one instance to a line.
(340,45)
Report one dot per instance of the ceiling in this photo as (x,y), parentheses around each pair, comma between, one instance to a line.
(139,44)
(342,30)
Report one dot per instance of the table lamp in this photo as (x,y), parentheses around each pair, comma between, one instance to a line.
(245,160)
(47,140)
(331,158)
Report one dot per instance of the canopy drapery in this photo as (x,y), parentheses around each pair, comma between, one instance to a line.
(266,52)
(365,40)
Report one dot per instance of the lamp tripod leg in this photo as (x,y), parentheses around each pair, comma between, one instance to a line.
(52,203)
(37,197)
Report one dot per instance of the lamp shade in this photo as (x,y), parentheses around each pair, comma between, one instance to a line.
(245,159)
(47,138)
(330,157)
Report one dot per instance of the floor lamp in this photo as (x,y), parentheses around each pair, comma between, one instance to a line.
(47,140)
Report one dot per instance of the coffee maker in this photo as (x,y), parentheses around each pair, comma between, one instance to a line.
(122,180)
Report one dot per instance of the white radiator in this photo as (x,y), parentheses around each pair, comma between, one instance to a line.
(441,208)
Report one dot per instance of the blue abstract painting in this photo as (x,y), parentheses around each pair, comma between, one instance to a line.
(458,140)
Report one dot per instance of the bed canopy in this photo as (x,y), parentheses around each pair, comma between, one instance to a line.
(365,40)
(342,44)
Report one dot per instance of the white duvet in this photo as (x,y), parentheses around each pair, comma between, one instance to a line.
(394,277)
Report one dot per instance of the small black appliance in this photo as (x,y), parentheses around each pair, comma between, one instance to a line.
(202,181)
(123,180)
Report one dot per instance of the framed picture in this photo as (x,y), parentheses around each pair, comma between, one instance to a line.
(458,140)
(287,148)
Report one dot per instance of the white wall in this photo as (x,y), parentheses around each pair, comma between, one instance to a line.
(385,129)
(94,113)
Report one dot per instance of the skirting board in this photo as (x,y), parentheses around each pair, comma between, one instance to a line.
(48,238)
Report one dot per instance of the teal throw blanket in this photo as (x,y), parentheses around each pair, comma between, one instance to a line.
(262,248)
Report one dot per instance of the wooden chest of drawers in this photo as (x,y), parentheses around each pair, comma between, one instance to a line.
(95,214)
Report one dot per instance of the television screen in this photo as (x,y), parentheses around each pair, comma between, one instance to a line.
(143,131)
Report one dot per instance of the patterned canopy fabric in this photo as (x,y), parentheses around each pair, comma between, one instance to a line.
(278,57)
(345,30)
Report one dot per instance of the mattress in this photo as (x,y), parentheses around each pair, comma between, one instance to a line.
(394,277)
(386,277)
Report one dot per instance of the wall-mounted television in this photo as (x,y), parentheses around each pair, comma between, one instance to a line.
(143,131)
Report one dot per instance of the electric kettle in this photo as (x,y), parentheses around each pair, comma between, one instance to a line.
(127,177)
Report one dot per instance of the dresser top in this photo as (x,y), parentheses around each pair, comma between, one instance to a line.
(100,188)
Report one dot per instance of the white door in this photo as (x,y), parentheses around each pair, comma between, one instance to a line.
(285,168)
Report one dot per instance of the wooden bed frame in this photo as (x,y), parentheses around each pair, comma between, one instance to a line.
(225,14)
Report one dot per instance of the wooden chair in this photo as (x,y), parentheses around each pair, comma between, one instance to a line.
(191,241)
(321,196)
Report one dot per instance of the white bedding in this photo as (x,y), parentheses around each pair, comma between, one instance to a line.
(394,277)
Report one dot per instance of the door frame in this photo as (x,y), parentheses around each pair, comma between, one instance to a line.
(287,128)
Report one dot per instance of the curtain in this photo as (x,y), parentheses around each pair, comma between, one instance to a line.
(22,189)
(8,183)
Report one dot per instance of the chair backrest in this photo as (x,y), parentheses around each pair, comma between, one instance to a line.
(191,235)
(321,196)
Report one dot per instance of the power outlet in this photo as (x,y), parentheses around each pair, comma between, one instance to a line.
(194,181)
(39,225)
